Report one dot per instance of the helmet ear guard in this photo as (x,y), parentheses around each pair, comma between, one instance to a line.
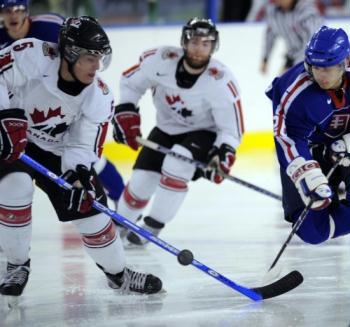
(200,27)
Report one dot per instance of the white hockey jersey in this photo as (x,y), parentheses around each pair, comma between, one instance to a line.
(212,103)
(73,127)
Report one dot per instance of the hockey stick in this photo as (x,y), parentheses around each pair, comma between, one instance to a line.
(157,147)
(281,286)
(300,220)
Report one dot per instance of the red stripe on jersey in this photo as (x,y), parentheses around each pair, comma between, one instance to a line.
(100,139)
(149,53)
(131,70)
(232,88)
(239,111)
(285,101)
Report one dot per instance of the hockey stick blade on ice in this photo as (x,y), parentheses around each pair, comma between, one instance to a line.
(157,147)
(281,286)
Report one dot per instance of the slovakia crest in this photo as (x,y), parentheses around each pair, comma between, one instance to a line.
(338,125)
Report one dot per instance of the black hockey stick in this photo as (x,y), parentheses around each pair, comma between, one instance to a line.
(157,147)
(281,286)
(301,219)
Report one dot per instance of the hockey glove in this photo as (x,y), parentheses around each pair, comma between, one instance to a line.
(341,149)
(81,197)
(220,161)
(310,182)
(127,123)
(13,133)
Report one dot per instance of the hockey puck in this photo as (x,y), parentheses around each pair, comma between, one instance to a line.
(185,257)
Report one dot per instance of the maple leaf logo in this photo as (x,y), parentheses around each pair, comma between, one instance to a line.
(39,116)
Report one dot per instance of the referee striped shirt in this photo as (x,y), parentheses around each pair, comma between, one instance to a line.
(295,27)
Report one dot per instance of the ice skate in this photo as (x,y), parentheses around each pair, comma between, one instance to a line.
(133,281)
(14,281)
(148,224)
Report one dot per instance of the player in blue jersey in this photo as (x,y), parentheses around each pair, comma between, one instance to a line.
(17,24)
(311,106)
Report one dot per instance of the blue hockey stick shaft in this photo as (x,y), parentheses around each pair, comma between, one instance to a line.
(157,147)
(144,233)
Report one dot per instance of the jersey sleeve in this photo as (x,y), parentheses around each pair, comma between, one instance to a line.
(21,61)
(292,123)
(87,134)
(137,79)
(227,111)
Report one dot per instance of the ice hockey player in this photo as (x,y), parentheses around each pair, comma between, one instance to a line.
(198,115)
(56,109)
(18,25)
(311,104)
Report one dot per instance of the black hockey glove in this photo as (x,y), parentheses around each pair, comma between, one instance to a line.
(81,197)
(340,150)
(13,133)
(220,161)
(127,123)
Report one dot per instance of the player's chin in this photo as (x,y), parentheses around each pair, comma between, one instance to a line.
(88,79)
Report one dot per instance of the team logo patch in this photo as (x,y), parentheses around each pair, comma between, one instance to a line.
(102,86)
(178,105)
(169,54)
(338,125)
(49,51)
(216,73)
(49,121)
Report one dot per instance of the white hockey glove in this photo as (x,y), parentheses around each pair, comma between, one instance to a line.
(310,182)
(341,149)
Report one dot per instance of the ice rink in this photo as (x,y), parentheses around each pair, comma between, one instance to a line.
(230,228)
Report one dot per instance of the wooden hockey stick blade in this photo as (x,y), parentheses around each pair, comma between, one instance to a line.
(281,286)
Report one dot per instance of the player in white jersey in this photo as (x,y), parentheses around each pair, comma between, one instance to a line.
(56,109)
(295,21)
(18,24)
(199,115)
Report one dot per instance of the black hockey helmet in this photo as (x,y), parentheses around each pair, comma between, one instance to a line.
(83,35)
(200,27)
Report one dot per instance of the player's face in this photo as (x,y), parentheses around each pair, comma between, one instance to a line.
(86,67)
(14,18)
(198,51)
(328,77)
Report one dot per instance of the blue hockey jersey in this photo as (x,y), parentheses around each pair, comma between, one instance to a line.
(304,114)
(43,27)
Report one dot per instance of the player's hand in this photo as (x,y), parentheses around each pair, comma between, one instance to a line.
(310,182)
(81,197)
(127,123)
(340,150)
(13,133)
(220,162)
